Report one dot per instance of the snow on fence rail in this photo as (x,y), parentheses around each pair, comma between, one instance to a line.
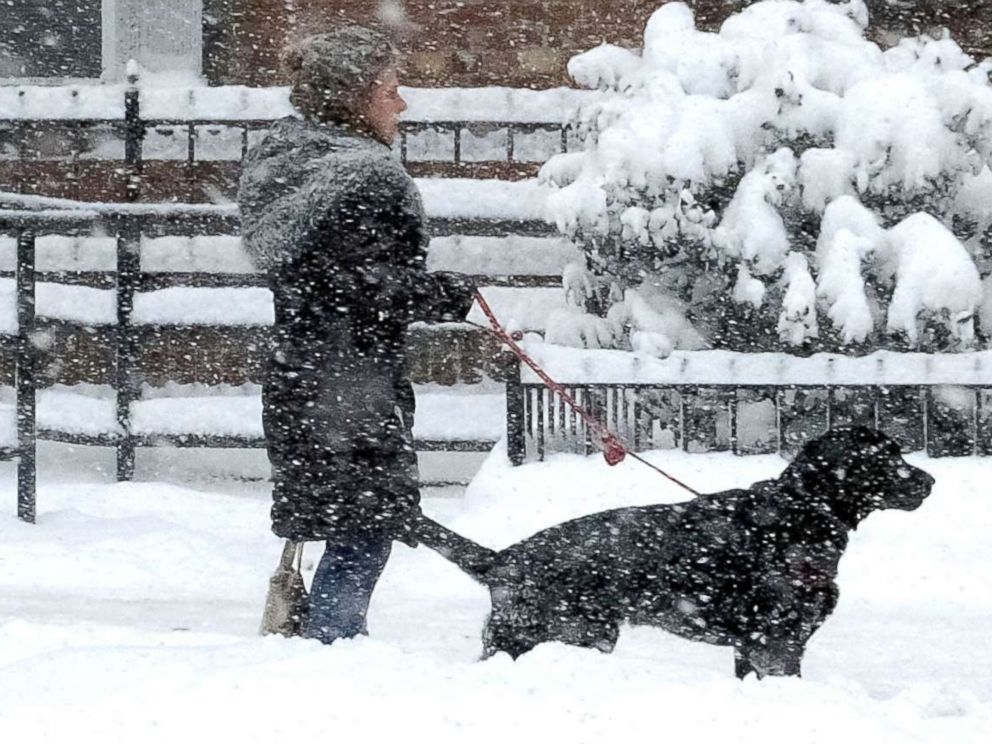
(192,269)
(131,123)
(752,403)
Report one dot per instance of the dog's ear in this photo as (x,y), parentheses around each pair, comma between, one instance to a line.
(814,467)
(832,469)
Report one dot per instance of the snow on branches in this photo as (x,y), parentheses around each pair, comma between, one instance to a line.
(784,181)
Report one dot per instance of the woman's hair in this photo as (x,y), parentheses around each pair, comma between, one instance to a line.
(332,74)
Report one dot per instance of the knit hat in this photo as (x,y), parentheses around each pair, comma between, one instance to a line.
(331,72)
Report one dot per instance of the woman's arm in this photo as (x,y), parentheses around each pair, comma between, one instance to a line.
(382,245)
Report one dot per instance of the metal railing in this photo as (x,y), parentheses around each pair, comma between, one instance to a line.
(128,224)
(223,138)
(749,419)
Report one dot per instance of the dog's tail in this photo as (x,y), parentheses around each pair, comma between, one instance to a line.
(470,557)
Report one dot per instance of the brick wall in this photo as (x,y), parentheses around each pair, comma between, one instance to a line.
(524,43)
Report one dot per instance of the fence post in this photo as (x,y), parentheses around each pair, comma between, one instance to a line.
(25,381)
(134,135)
(128,268)
(516,444)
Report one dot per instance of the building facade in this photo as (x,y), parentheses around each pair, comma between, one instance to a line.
(521,43)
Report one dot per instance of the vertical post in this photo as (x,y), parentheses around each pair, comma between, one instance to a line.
(134,134)
(25,381)
(190,145)
(516,441)
(779,434)
(128,268)
(976,418)
(980,447)
(732,405)
(538,414)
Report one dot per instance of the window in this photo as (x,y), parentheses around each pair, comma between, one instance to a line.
(51,38)
(61,40)
(164,36)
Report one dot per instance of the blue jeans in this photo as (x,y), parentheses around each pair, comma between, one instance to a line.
(342,588)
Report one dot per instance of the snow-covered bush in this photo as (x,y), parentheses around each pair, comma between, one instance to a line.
(783,183)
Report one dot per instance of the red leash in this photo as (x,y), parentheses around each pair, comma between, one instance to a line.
(614,450)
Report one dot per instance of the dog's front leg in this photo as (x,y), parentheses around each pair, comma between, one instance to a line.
(775,658)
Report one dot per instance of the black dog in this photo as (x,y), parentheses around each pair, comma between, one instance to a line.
(754,569)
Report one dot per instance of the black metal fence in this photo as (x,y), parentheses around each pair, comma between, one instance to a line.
(129,224)
(941,419)
(195,140)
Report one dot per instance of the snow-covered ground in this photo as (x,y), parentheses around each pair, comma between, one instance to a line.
(129,613)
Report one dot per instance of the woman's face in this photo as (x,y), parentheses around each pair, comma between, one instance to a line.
(385,106)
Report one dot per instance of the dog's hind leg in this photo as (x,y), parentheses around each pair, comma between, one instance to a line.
(501,635)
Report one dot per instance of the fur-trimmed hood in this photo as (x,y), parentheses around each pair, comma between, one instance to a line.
(295,176)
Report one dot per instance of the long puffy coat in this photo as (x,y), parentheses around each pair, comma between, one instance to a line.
(339,227)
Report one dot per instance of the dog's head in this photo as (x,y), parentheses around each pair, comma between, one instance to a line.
(856,470)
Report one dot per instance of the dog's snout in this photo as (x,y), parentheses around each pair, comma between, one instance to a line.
(921,478)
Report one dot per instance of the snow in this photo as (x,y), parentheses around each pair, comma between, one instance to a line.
(526,308)
(609,366)
(235,102)
(130,611)
(549,106)
(728,147)
(493,256)
(450,413)
(501,256)
(490,198)
(934,272)
(443,197)
(519,309)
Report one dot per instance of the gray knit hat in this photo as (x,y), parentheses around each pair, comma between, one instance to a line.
(330,73)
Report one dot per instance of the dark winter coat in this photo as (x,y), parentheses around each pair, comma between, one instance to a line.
(339,227)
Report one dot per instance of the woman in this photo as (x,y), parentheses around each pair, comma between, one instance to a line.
(336,222)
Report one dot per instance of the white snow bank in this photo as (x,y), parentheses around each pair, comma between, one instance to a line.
(129,613)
